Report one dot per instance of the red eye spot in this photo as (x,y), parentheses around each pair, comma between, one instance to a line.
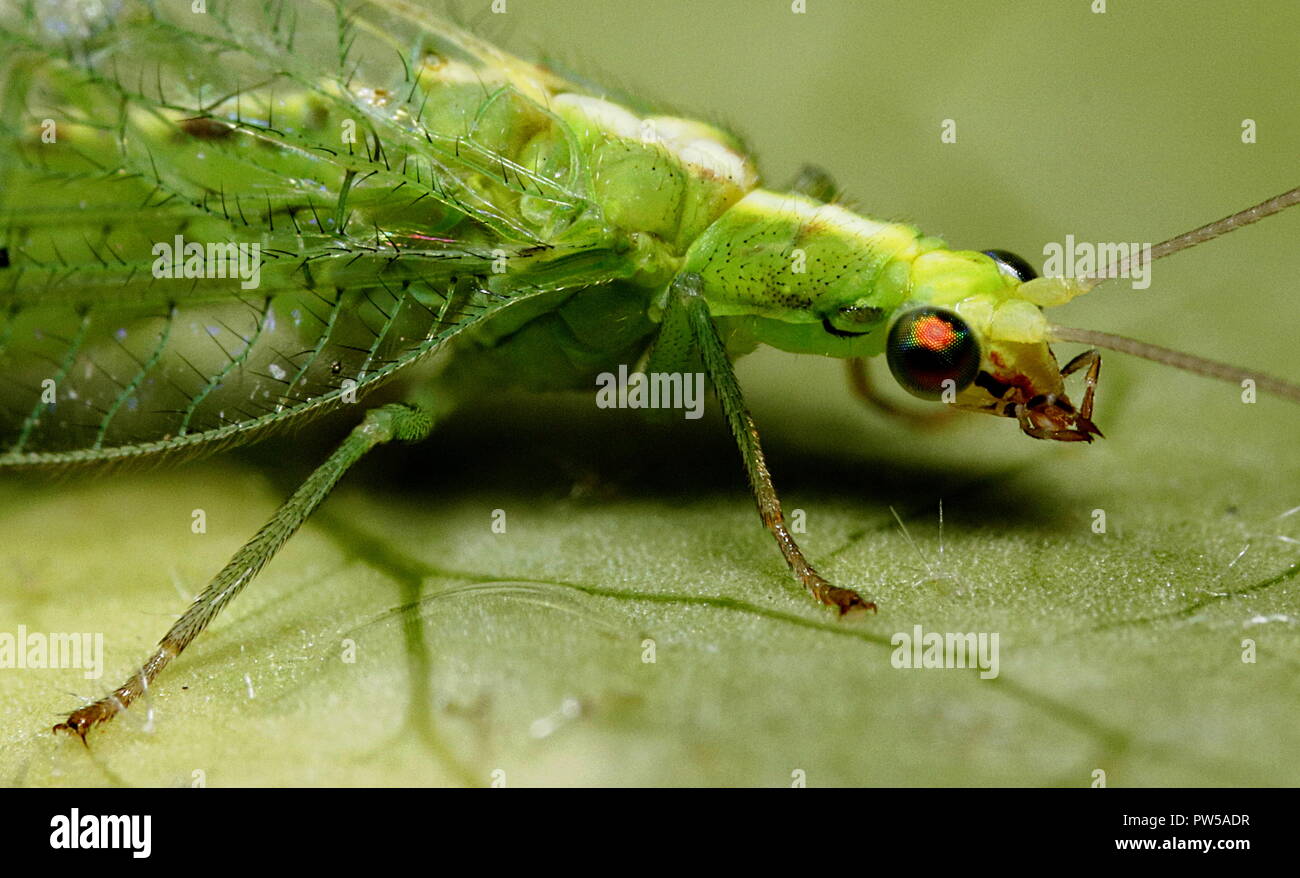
(932,350)
(934,333)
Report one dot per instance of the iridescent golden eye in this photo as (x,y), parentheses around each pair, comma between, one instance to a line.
(930,346)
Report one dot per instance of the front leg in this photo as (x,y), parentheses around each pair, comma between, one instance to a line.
(687,322)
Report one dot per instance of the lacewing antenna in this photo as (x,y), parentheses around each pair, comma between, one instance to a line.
(1179,359)
(1207,232)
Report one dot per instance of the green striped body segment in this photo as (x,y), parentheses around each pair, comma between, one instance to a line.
(786,266)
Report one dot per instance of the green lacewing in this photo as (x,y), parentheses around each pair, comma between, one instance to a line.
(224,219)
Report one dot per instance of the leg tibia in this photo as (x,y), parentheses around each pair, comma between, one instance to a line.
(685,295)
(390,422)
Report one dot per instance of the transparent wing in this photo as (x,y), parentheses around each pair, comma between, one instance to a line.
(211,224)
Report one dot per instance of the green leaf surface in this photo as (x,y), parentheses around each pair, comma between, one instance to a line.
(525,652)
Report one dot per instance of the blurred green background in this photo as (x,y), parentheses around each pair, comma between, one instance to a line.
(522,653)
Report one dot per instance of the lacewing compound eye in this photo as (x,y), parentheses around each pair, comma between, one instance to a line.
(1012,265)
(928,346)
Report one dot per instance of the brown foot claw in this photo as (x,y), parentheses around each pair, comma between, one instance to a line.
(80,722)
(849,601)
(846,600)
